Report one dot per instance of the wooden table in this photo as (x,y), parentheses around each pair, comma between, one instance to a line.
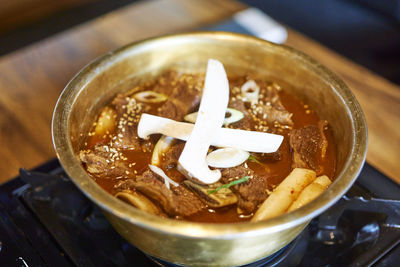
(32,78)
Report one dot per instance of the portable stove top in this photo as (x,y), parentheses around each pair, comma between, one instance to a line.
(46,221)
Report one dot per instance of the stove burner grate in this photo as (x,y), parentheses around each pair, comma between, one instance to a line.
(46,221)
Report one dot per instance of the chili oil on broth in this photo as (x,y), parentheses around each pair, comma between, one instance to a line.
(276,170)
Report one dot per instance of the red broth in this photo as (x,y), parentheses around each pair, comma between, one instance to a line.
(276,170)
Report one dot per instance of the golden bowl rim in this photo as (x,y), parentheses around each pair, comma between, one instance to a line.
(109,203)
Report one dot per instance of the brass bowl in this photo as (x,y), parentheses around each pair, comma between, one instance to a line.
(201,244)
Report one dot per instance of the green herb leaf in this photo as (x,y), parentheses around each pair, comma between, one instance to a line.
(254,159)
(239,181)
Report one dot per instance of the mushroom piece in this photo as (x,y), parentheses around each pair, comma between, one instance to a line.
(162,145)
(250,91)
(224,197)
(192,162)
(139,201)
(251,141)
(227,157)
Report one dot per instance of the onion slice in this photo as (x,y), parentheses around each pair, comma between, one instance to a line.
(106,122)
(139,201)
(250,91)
(227,157)
(251,141)
(162,145)
(150,97)
(235,116)
(192,162)
(161,173)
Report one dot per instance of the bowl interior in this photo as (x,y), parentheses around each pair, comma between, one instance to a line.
(121,70)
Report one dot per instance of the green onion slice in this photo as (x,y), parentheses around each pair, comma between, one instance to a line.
(239,181)
(254,159)
(234,115)
(250,91)
(231,116)
(150,97)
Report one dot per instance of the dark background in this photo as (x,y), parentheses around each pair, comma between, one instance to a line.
(367,34)
(366,31)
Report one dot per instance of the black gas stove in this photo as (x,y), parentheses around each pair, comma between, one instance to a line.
(46,221)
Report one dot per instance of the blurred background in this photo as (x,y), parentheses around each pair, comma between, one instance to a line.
(366,31)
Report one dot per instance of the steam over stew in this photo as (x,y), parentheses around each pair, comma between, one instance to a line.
(252,185)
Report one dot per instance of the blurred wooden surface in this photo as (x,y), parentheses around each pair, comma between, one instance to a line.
(31,79)
(19,12)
